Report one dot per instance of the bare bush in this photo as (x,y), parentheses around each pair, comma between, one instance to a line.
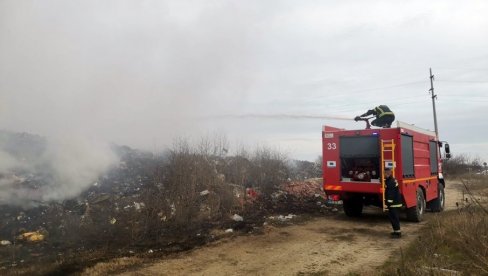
(302,170)
(462,164)
(237,170)
(268,169)
(148,201)
(190,171)
(193,185)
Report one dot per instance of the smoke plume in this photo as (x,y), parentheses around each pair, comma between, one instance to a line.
(34,170)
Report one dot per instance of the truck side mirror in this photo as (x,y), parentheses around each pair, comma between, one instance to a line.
(448,151)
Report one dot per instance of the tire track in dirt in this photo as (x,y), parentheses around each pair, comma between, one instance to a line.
(330,245)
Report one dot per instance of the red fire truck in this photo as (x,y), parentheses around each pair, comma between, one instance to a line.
(354,160)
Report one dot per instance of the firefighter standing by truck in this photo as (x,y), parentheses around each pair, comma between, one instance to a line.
(384,116)
(393,202)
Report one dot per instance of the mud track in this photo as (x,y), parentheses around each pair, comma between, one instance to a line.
(322,246)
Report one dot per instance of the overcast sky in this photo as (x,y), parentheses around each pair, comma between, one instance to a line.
(143,72)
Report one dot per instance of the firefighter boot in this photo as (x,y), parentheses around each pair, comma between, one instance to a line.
(396,234)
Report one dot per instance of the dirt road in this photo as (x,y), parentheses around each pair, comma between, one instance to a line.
(334,245)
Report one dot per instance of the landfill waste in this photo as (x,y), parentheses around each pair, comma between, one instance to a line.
(139,205)
(5,242)
(310,188)
(282,218)
(31,237)
(300,196)
(236,217)
(134,202)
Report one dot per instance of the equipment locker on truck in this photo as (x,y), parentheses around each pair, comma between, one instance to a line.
(354,160)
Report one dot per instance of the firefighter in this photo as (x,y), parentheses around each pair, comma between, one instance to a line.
(393,202)
(384,116)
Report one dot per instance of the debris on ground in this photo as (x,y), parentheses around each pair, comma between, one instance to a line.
(282,218)
(131,208)
(310,188)
(300,196)
(139,205)
(5,242)
(36,236)
(236,217)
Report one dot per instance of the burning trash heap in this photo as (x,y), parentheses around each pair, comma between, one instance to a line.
(164,203)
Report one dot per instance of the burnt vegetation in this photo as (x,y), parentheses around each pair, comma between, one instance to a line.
(154,204)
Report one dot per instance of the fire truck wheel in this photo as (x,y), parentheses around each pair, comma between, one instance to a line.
(353,206)
(417,212)
(437,205)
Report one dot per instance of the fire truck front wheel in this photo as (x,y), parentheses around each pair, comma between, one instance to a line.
(353,206)
(416,212)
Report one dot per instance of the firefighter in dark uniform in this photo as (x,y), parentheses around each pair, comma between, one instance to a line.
(384,116)
(393,202)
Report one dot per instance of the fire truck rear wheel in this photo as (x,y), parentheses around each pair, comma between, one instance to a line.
(353,206)
(416,213)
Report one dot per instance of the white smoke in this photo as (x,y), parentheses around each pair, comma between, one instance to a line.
(62,170)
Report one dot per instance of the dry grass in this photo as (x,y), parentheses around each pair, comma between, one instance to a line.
(113,266)
(453,243)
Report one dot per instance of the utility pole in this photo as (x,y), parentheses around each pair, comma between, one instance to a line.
(434,97)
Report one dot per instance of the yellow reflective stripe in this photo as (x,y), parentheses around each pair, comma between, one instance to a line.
(382,112)
(396,205)
(419,179)
(385,113)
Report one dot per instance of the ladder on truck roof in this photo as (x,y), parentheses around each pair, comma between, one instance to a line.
(386,146)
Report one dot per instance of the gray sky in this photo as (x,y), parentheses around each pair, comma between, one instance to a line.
(143,72)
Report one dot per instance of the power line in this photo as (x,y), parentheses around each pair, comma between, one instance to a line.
(390,86)
(460,98)
(345,93)
(462,81)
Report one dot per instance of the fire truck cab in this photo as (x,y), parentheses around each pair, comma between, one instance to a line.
(354,161)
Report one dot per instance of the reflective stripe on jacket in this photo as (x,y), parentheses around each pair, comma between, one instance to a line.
(383,110)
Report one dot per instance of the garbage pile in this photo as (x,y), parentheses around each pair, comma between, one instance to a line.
(146,202)
(36,236)
(300,196)
(46,230)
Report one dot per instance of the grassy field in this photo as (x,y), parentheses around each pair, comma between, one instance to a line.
(453,242)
